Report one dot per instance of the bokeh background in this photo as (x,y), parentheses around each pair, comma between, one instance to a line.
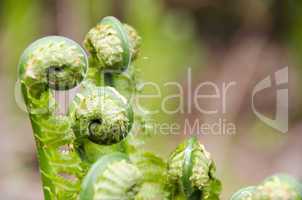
(222,41)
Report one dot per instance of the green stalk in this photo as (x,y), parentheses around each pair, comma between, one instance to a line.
(91,153)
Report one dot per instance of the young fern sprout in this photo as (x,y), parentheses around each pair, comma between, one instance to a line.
(50,63)
(90,153)
(101,115)
(53,63)
(112,46)
(191,172)
(278,187)
(111,177)
(273,188)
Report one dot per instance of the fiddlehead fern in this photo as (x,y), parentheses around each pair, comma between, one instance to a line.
(111,177)
(98,123)
(102,115)
(89,138)
(112,46)
(53,63)
(191,172)
(276,187)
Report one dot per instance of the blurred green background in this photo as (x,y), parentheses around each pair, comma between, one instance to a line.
(221,41)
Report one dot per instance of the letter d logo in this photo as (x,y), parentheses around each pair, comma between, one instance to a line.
(281,121)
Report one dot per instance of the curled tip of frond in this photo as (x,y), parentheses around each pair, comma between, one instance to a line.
(278,187)
(55,61)
(102,115)
(113,44)
(275,187)
(191,169)
(111,177)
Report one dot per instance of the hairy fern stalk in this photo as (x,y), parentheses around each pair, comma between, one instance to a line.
(92,152)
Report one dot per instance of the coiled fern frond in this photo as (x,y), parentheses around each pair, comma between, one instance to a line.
(102,115)
(275,187)
(111,177)
(49,64)
(191,172)
(91,152)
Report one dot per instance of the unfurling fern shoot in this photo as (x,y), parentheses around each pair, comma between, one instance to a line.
(112,46)
(91,152)
(279,186)
(53,63)
(191,173)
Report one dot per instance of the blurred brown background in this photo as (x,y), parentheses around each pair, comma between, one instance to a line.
(222,41)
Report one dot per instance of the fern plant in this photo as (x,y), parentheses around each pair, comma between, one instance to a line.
(279,186)
(92,152)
